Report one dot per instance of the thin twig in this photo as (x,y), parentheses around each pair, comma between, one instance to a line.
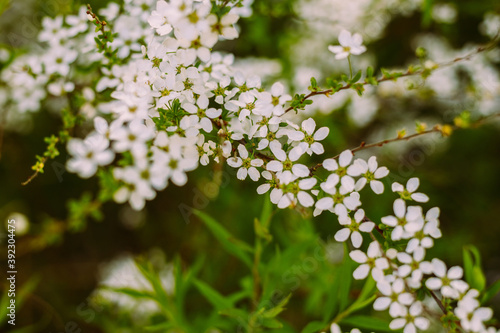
(409,72)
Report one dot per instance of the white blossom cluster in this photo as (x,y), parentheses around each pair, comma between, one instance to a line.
(66,60)
(176,104)
(323,20)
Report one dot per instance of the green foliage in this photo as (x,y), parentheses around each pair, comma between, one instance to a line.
(299,102)
(472,267)
(79,210)
(231,244)
(171,115)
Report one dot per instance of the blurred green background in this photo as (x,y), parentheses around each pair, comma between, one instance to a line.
(461,177)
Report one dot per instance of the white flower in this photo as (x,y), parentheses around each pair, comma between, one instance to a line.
(415,266)
(342,169)
(137,189)
(405,223)
(159,18)
(353,227)
(290,190)
(408,193)
(449,283)
(349,44)
(372,260)
(395,297)
(286,161)
(131,138)
(410,319)
(271,103)
(88,155)
(472,317)
(311,138)
(223,27)
(204,114)
(370,172)
(424,236)
(246,164)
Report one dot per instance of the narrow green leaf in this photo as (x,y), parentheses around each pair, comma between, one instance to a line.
(313,327)
(280,307)
(271,323)
(358,305)
(367,290)
(491,292)
(356,77)
(345,276)
(474,274)
(163,327)
(267,211)
(427,13)
(233,245)
(213,296)
(369,323)
(130,292)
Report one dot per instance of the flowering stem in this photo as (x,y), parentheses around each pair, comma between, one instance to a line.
(409,72)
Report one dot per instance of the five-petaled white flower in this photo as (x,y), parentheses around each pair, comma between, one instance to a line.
(405,223)
(395,297)
(449,282)
(408,193)
(353,227)
(370,173)
(410,319)
(246,164)
(372,261)
(349,44)
(89,154)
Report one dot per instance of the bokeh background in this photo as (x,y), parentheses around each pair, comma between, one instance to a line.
(283,40)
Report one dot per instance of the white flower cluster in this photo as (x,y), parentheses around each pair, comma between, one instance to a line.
(177,104)
(67,51)
(399,274)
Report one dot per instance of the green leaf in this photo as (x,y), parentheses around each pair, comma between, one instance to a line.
(491,292)
(345,277)
(262,231)
(213,296)
(358,305)
(163,327)
(368,323)
(233,245)
(267,212)
(472,266)
(271,323)
(234,313)
(130,292)
(4,5)
(314,327)
(160,294)
(369,71)
(356,77)
(280,307)
(427,13)
(367,290)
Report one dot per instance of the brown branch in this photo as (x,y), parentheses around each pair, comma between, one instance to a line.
(409,72)
(435,129)
(438,301)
